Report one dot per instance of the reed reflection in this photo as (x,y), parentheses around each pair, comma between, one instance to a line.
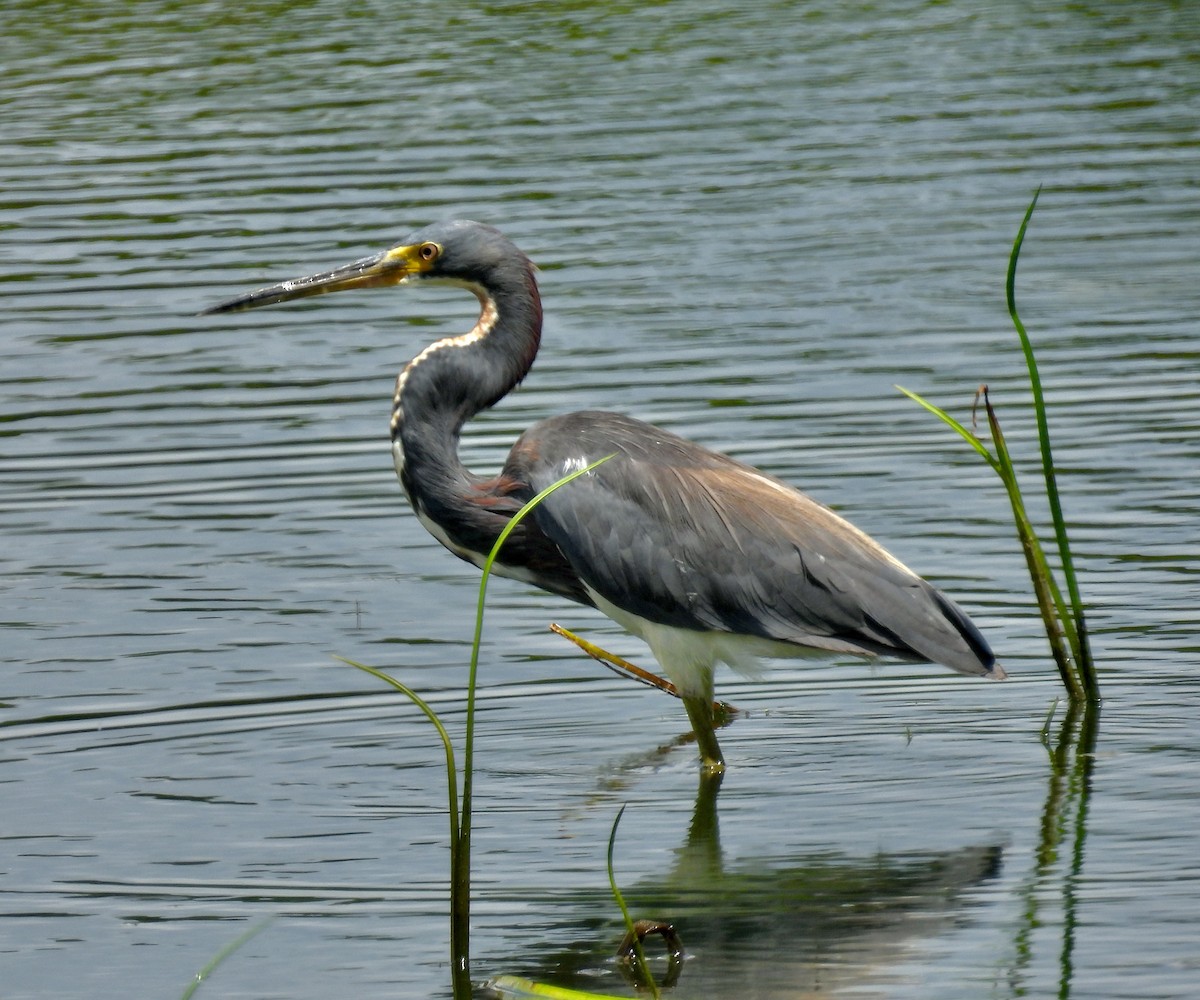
(1058,861)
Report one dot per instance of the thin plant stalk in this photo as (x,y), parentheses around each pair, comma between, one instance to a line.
(517,986)
(1066,627)
(1080,644)
(1044,587)
(221,955)
(460,809)
(460,859)
(1055,615)
(638,952)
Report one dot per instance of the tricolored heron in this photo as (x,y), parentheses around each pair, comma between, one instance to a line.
(703,557)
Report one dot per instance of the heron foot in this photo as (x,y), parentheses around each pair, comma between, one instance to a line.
(700,712)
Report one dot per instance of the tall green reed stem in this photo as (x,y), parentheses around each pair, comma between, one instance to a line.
(1066,626)
(1080,646)
(460,809)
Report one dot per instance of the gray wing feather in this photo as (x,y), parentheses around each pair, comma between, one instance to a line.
(684,536)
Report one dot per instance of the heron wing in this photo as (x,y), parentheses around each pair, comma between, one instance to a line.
(683,536)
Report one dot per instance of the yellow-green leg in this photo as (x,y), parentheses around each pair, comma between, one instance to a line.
(700,712)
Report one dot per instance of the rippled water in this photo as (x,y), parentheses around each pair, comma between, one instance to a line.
(751,223)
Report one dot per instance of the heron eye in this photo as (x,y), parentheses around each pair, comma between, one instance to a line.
(428,252)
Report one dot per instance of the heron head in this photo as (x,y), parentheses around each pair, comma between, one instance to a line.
(459,252)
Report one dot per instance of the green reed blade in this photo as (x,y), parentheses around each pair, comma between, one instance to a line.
(963,432)
(460,810)
(416,699)
(460,857)
(1066,627)
(1054,613)
(639,953)
(1080,644)
(223,954)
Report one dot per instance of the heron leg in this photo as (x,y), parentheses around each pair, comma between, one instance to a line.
(700,712)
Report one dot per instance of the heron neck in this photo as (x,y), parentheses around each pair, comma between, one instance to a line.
(455,378)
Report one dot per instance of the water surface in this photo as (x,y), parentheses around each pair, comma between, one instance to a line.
(751,223)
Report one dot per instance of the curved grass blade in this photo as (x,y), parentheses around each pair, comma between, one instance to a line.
(460,856)
(967,435)
(1049,599)
(460,814)
(1078,635)
(223,954)
(639,954)
(416,699)
(1066,627)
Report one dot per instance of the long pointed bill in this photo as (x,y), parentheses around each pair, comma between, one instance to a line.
(387,268)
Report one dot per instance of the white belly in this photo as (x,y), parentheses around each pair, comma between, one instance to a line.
(688,656)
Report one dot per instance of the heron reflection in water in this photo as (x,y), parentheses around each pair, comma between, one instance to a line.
(705,558)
